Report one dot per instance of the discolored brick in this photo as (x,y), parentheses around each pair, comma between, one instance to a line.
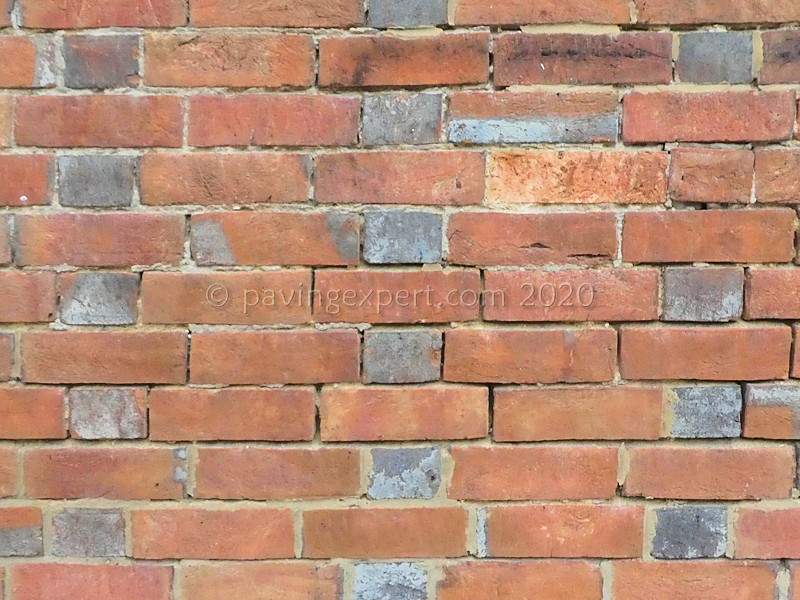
(412,13)
(703,294)
(108,413)
(402,118)
(92,298)
(390,581)
(689,532)
(88,532)
(392,237)
(705,411)
(402,356)
(715,57)
(405,473)
(101,62)
(92,180)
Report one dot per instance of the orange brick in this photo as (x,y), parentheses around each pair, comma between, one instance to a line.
(212,534)
(77,14)
(17,62)
(6,355)
(6,119)
(777,179)
(277,13)
(277,474)
(385,533)
(769,422)
(772,294)
(767,533)
(26,179)
(711,175)
(32,413)
(522,12)
(717,11)
(20,516)
(696,473)
(533,473)
(8,472)
(5,242)
(28,296)
(44,581)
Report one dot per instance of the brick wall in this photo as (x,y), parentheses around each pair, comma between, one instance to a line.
(312,300)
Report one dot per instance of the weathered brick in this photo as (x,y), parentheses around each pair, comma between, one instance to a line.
(707,411)
(781,56)
(402,356)
(32,413)
(414,13)
(28,296)
(777,179)
(711,175)
(26,179)
(402,118)
(6,355)
(521,12)
(45,581)
(27,61)
(703,294)
(89,532)
(402,236)
(688,532)
(6,119)
(101,62)
(715,57)
(665,12)
(108,413)
(772,411)
(94,180)
(8,472)
(405,473)
(772,293)
(91,298)
(21,531)
(75,14)
(390,581)
(5,241)
(766,533)
(438,178)
(392,61)
(277,13)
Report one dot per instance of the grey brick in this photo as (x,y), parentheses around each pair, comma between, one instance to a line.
(108,413)
(715,57)
(390,581)
(534,129)
(690,532)
(708,411)
(99,298)
(46,66)
(400,236)
(405,473)
(21,541)
(402,119)
(106,61)
(407,13)
(402,356)
(83,532)
(95,180)
(706,294)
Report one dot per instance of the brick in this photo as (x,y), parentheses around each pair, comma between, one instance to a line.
(520,12)
(114,473)
(106,121)
(718,354)
(715,57)
(377,413)
(402,118)
(777,181)
(766,533)
(254,581)
(385,533)
(770,410)
(8,472)
(89,532)
(437,178)
(273,120)
(277,474)
(277,13)
(99,240)
(532,117)
(237,60)
(311,357)
(217,179)
(390,581)
(108,413)
(415,13)
(6,119)
(529,59)
(703,294)
(232,414)
(367,61)
(21,531)
(559,177)
(101,62)
(27,179)
(710,12)
(533,356)
(373,296)
(781,58)
(399,473)
(28,62)
(277,297)
(92,298)
(402,356)
(28,296)
(533,473)
(748,236)
(329,238)
(5,241)
(74,14)
(707,411)
(212,534)
(6,355)
(570,413)
(32,413)
(574,295)
(710,473)
(708,117)
(711,175)
(104,357)
(402,236)
(496,238)
(93,180)
(688,532)
(92,582)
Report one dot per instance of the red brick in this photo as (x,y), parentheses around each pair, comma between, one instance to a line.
(5,242)
(388,60)
(6,119)
(495,238)
(376,413)
(44,581)
(522,12)
(32,413)
(212,534)
(28,296)
(8,472)
(557,531)
(772,294)
(711,353)
(275,357)
(777,179)
(781,61)
(277,474)
(273,120)
(77,14)
(559,177)
(385,533)
(767,533)
(697,473)
(101,61)
(17,62)
(99,120)
(574,295)
(577,413)
(795,369)
(277,13)
(439,178)
(104,357)
(563,58)
(710,175)
(229,60)
(217,179)
(710,12)
(747,236)
(114,473)
(708,117)
(232,414)
(99,240)
(533,356)
(26,180)
(533,473)
(227,298)
(6,355)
